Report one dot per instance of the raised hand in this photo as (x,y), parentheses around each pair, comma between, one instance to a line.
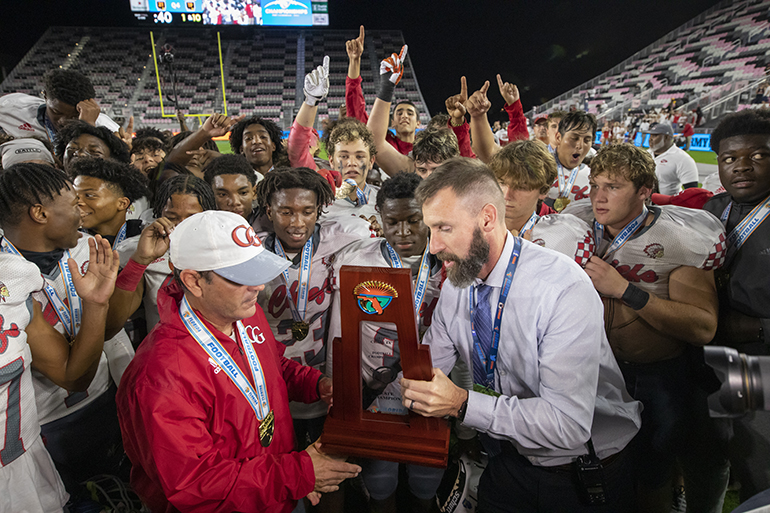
(97,284)
(88,111)
(508,91)
(355,47)
(394,65)
(218,125)
(478,104)
(153,242)
(317,84)
(455,104)
(127,135)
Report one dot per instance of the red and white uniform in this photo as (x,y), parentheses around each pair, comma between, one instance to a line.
(379,341)
(53,402)
(580,187)
(28,479)
(565,234)
(677,236)
(192,436)
(155,276)
(21,116)
(274,300)
(713,183)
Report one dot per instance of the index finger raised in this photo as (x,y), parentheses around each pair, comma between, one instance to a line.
(402,53)
(463,87)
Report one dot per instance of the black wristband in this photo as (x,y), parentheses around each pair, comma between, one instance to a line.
(635,297)
(387,88)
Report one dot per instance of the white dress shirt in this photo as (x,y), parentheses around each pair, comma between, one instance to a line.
(559,380)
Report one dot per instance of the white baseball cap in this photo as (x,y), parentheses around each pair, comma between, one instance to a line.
(224,242)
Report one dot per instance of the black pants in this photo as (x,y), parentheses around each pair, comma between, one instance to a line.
(511,483)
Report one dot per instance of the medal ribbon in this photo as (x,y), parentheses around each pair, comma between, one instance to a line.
(564,188)
(421,284)
(745,228)
(299,309)
(70,316)
(489,364)
(530,222)
(121,236)
(47,124)
(624,235)
(359,193)
(258,399)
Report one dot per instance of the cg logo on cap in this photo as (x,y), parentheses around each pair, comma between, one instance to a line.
(244,236)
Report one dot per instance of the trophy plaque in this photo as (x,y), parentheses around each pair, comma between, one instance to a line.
(380,294)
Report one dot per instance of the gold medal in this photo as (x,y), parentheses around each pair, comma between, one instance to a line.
(266,427)
(561,203)
(299,330)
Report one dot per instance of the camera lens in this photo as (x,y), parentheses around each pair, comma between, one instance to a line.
(745,382)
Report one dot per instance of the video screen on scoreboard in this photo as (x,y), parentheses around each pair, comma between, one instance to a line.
(272,13)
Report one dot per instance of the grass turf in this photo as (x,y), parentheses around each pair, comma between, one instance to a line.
(704,157)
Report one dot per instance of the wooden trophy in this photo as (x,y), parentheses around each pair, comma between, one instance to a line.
(380,294)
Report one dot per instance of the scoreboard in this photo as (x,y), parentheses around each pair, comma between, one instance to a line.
(275,13)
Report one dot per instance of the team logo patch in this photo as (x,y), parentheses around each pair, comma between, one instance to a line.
(5,334)
(654,250)
(539,242)
(4,294)
(374,296)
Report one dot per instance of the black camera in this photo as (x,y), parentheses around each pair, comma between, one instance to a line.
(745,382)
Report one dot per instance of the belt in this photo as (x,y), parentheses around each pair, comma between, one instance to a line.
(509,449)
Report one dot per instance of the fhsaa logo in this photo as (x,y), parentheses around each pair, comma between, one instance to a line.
(284,7)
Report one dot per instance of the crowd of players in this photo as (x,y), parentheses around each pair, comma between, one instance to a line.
(565,306)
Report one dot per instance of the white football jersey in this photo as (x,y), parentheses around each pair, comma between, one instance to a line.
(581,209)
(580,187)
(274,300)
(53,402)
(138,208)
(379,341)
(155,276)
(565,234)
(22,115)
(19,424)
(677,236)
(343,206)
(713,183)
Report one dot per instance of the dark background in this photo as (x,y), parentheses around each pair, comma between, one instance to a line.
(546,47)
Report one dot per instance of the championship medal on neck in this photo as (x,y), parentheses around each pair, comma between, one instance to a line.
(561,203)
(299,330)
(266,428)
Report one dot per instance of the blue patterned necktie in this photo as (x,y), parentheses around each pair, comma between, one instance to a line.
(482,321)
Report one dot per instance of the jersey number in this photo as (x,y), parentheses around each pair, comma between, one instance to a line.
(13,446)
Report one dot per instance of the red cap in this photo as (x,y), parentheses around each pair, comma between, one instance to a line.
(541,118)
(693,197)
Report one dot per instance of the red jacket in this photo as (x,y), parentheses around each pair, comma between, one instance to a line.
(192,436)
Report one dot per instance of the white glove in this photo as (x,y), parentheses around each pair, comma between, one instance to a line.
(394,65)
(317,84)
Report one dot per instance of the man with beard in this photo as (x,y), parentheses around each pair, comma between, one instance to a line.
(673,166)
(541,420)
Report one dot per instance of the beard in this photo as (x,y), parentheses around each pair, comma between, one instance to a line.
(465,270)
